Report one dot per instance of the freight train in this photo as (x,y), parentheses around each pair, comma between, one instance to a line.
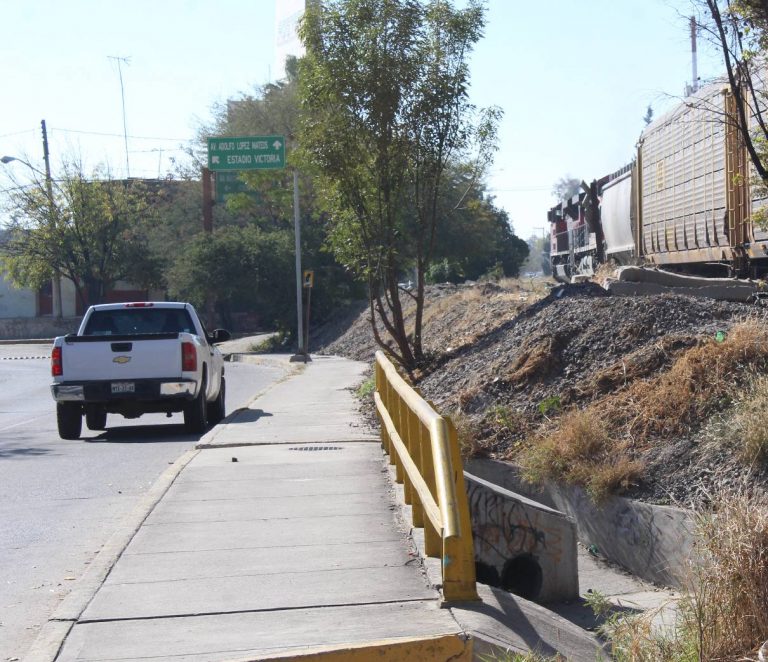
(684,204)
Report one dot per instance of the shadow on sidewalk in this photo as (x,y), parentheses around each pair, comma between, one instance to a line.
(249,416)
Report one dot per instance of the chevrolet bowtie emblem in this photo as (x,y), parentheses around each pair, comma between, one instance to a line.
(121,359)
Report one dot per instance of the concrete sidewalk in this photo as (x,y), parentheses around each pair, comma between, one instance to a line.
(282,536)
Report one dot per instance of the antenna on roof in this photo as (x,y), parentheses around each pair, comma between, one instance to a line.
(694,86)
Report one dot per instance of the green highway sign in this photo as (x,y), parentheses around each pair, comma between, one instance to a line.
(229,182)
(246,153)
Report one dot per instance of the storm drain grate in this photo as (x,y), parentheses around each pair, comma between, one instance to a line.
(316,448)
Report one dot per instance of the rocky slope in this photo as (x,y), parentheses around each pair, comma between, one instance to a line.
(511,361)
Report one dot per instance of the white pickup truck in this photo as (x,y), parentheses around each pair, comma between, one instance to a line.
(136,358)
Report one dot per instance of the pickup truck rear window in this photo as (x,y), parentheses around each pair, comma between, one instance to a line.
(131,321)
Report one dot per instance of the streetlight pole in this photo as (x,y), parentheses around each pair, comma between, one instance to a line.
(56,280)
(56,284)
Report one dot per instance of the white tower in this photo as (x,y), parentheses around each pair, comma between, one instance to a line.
(287,42)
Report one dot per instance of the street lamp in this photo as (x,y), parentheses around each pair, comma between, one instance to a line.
(56,284)
(8,159)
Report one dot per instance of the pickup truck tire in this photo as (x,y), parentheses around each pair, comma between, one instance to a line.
(95,417)
(69,420)
(217,409)
(196,412)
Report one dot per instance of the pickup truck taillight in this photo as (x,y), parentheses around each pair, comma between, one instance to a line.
(57,370)
(188,357)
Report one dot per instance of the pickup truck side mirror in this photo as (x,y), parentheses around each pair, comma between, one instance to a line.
(219,335)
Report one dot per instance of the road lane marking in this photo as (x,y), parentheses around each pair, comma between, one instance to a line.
(15,425)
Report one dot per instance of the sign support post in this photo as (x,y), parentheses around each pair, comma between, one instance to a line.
(301,354)
(232,154)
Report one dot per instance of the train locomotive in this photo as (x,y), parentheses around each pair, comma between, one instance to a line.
(684,204)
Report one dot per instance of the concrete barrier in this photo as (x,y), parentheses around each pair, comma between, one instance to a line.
(37,328)
(521,545)
(654,543)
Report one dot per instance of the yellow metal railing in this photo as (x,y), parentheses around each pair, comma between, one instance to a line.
(424,449)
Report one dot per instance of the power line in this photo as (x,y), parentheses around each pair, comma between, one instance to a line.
(16,188)
(118,135)
(521,189)
(164,149)
(17,133)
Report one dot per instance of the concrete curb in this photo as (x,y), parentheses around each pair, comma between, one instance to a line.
(49,641)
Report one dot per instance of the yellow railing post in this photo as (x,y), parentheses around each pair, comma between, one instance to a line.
(393,407)
(459,577)
(401,422)
(381,389)
(414,448)
(432,537)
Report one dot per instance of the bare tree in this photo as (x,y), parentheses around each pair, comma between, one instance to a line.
(739,28)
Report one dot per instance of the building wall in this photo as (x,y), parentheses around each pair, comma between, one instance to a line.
(22,303)
(16,302)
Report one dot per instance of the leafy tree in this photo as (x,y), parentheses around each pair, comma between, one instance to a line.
(243,263)
(383,87)
(475,236)
(268,206)
(90,230)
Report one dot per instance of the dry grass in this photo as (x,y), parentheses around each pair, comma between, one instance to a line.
(599,447)
(728,610)
(460,318)
(702,380)
(537,359)
(749,427)
(723,616)
(439,308)
(581,451)
(637,365)
(468,436)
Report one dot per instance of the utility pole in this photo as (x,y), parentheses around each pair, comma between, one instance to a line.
(207,202)
(210,311)
(56,283)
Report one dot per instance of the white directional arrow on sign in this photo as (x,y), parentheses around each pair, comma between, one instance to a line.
(277,144)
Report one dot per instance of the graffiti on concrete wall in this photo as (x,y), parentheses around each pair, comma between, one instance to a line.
(505,528)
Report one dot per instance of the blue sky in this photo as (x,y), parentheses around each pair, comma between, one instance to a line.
(574,80)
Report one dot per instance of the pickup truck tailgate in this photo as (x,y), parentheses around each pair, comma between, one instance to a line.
(86,358)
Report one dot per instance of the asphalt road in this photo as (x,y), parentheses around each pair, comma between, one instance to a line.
(61,500)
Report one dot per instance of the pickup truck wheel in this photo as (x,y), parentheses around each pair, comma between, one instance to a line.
(69,420)
(95,418)
(195,412)
(217,409)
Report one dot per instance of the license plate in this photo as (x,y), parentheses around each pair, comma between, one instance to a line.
(123,387)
